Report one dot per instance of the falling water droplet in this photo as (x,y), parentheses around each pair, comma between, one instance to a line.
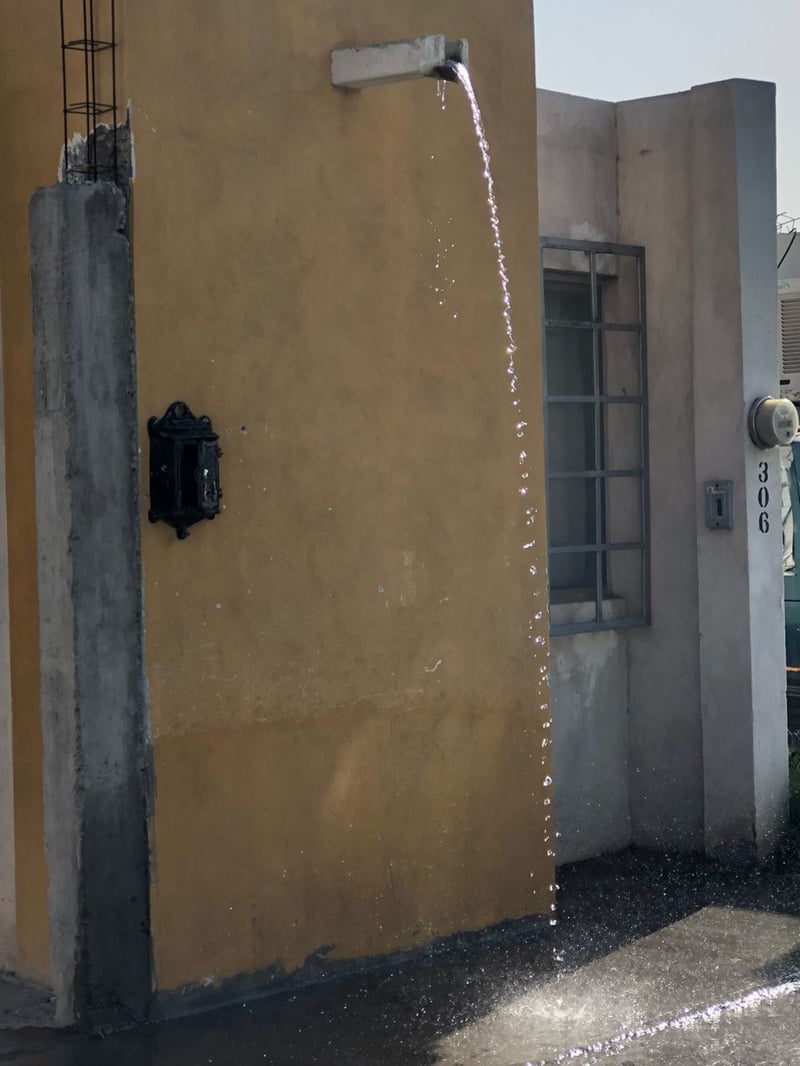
(521,424)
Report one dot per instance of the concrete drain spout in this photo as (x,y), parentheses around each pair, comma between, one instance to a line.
(431,56)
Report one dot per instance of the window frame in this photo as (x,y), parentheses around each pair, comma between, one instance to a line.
(604,612)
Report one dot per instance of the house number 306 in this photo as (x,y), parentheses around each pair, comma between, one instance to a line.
(763,497)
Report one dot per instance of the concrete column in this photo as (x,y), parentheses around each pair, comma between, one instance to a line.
(666,755)
(7,865)
(96,767)
(740,587)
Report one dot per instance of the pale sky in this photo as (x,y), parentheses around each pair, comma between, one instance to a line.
(622,49)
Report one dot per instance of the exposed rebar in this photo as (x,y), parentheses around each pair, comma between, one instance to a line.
(89,166)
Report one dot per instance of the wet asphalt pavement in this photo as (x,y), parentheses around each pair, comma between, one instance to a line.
(654,960)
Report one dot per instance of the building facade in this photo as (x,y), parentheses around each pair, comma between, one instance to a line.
(314,732)
(672,734)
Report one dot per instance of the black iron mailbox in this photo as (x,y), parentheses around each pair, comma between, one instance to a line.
(184,469)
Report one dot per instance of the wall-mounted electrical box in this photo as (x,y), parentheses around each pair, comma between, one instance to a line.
(773,422)
(719,504)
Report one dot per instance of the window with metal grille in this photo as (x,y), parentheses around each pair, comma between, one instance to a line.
(596,435)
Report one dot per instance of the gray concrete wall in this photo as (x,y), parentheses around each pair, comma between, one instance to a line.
(7,866)
(577,167)
(655,210)
(589,671)
(708,716)
(589,687)
(699,692)
(740,574)
(93,712)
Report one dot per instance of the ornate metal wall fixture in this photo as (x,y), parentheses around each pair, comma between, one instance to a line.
(184,469)
(89,82)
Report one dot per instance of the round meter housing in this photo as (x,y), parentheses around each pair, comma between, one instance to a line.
(772,422)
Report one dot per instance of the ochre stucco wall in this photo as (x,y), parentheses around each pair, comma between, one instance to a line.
(30,124)
(345,702)
(348,741)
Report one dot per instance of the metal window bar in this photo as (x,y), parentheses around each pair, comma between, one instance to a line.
(599,485)
(584,474)
(644,435)
(592,399)
(607,327)
(601,402)
(84,13)
(595,546)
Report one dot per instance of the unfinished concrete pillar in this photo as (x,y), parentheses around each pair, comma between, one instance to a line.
(707,700)
(7,857)
(96,768)
(740,583)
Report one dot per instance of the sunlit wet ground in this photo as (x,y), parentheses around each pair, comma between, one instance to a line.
(765,1036)
(653,960)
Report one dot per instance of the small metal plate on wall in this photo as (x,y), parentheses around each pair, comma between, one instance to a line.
(719,504)
(184,469)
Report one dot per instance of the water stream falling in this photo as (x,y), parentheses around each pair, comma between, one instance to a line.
(520,423)
(502,269)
